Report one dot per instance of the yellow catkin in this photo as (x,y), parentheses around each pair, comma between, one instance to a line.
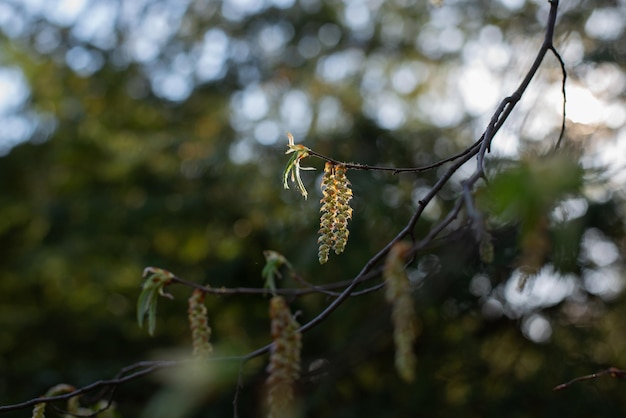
(398,294)
(199,324)
(284,366)
(336,211)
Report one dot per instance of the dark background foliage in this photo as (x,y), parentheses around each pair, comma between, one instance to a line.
(151,133)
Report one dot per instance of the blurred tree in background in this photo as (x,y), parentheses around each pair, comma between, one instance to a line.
(152,132)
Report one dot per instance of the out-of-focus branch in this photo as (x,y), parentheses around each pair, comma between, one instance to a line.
(146,369)
(611,371)
(309,288)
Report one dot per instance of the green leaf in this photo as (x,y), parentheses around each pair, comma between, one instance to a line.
(290,166)
(293,166)
(273,261)
(147,302)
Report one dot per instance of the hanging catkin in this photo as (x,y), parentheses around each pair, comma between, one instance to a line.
(336,211)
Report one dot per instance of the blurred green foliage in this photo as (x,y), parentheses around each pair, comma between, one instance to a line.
(145,151)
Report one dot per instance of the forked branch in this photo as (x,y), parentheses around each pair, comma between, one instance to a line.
(372,269)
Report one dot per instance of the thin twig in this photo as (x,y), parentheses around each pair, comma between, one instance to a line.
(237,390)
(260,291)
(313,287)
(611,371)
(156,365)
(421,169)
(508,104)
(563,92)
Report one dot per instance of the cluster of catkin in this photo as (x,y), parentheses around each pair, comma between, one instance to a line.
(398,294)
(336,211)
(284,366)
(199,324)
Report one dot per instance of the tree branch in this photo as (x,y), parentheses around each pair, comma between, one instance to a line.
(368,271)
(420,169)
(611,371)
(508,104)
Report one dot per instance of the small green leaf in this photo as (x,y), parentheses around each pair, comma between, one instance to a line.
(152,287)
(273,261)
(142,304)
(293,166)
(146,305)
